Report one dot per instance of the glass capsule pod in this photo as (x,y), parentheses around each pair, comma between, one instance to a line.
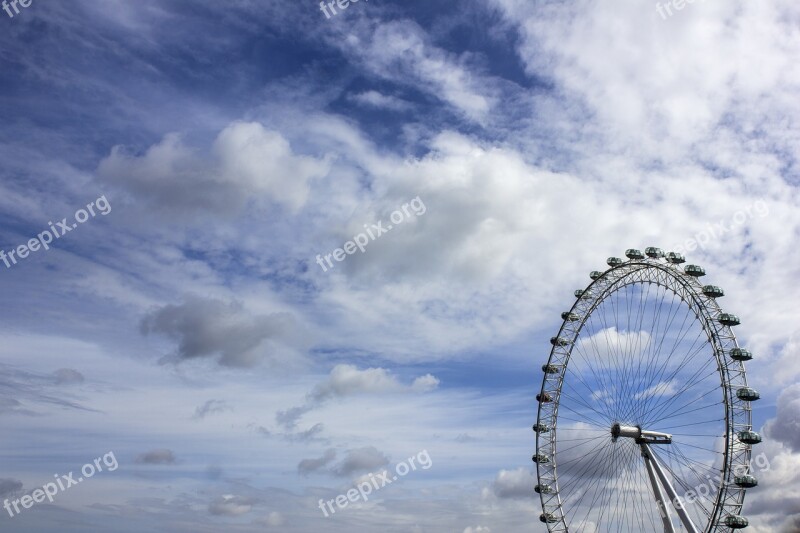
(694,271)
(736,522)
(559,341)
(675,258)
(746,481)
(727,319)
(544,398)
(548,518)
(712,291)
(748,394)
(740,354)
(749,437)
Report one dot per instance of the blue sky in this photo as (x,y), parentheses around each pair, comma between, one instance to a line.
(190,330)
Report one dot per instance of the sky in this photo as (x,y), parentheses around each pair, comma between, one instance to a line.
(198,164)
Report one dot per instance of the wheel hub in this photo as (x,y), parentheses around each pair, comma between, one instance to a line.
(639,435)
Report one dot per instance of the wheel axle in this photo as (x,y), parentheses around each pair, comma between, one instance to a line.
(639,435)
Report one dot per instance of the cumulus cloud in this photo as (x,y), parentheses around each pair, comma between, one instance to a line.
(517,483)
(207,327)
(161,456)
(306,466)
(275,519)
(346,380)
(231,505)
(662,92)
(785,427)
(355,461)
(247,162)
(775,504)
(360,460)
(425,383)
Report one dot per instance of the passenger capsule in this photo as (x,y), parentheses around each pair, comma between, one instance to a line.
(736,522)
(675,258)
(749,437)
(579,293)
(569,317)
(694,271)
(727,319)
(747,481)
(540,459)
(559,341)
(551,369)
(548,518)
(595,274)
(712,291)
(654,252)
(544,398)
(543,489)
(541,428)
(747,394)
(633,253)
(740,354)
(614,261)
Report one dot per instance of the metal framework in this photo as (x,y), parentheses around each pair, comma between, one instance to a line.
(720,512)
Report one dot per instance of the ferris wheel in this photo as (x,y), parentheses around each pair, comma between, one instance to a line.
(644,417)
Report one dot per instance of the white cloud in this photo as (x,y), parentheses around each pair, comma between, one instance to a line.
(785,427)
(275,519)
(662,388)
(517,483)
(380,101)
(664,84)
(346,380)
(248,162)
(360,460)
(231,505)
(263,159)
(401,51)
